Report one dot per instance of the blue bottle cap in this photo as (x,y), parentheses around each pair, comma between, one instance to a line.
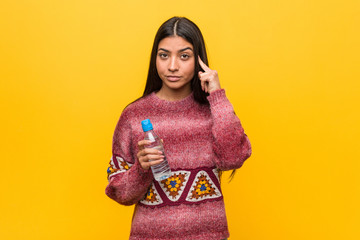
(146,125)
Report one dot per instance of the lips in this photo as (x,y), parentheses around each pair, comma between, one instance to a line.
(173,78)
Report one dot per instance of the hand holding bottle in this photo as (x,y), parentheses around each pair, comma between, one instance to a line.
(148,156)
(153,150)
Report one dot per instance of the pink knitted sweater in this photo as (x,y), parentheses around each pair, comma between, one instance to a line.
(199,140)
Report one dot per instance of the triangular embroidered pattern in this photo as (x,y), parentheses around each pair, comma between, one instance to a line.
(202,188)
(113,169)
(152,197)
(124,166)
(174,186)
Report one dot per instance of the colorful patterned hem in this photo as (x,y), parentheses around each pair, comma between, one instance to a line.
(184,186)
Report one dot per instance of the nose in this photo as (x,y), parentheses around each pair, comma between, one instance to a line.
(173,64)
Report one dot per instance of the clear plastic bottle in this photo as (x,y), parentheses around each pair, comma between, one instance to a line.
(162,170)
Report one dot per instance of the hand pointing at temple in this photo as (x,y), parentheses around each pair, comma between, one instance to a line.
(209,78)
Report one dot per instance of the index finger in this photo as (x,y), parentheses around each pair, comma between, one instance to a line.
(203,65)
(143,143)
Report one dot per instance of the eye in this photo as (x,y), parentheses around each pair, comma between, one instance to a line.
(163,55)
(184,56)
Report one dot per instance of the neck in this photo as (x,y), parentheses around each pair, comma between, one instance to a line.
(173,95)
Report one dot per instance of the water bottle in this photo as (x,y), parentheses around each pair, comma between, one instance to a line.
(162,170)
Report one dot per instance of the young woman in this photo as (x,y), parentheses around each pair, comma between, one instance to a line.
(202,136)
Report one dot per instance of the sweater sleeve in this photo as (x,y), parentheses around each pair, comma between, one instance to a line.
(231,145)
(128,181)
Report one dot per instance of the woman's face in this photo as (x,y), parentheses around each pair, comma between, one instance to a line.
(175,63)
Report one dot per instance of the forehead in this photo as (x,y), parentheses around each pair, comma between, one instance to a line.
(174,43)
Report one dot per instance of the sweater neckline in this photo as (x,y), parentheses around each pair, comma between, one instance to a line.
(181,104)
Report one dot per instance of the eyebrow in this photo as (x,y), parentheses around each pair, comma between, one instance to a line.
(181,50)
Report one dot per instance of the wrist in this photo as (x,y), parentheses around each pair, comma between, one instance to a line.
(216,96)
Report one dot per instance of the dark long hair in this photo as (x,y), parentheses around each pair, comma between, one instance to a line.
(182,27)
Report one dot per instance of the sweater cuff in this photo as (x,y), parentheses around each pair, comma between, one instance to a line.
(217,96)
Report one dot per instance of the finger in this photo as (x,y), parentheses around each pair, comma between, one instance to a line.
(150,158)
(154,157)
(149,154)
(202,83)
(142,155)
(203,75)
(147,151)
(203,65)
(206,88)
(143,143)
(206,76)
(152,163)
(147,165)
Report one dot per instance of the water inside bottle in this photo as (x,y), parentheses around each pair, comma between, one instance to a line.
(162,170)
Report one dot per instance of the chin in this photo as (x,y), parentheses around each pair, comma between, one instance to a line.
(176,86)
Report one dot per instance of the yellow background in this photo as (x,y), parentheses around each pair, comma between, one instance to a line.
(290,68)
